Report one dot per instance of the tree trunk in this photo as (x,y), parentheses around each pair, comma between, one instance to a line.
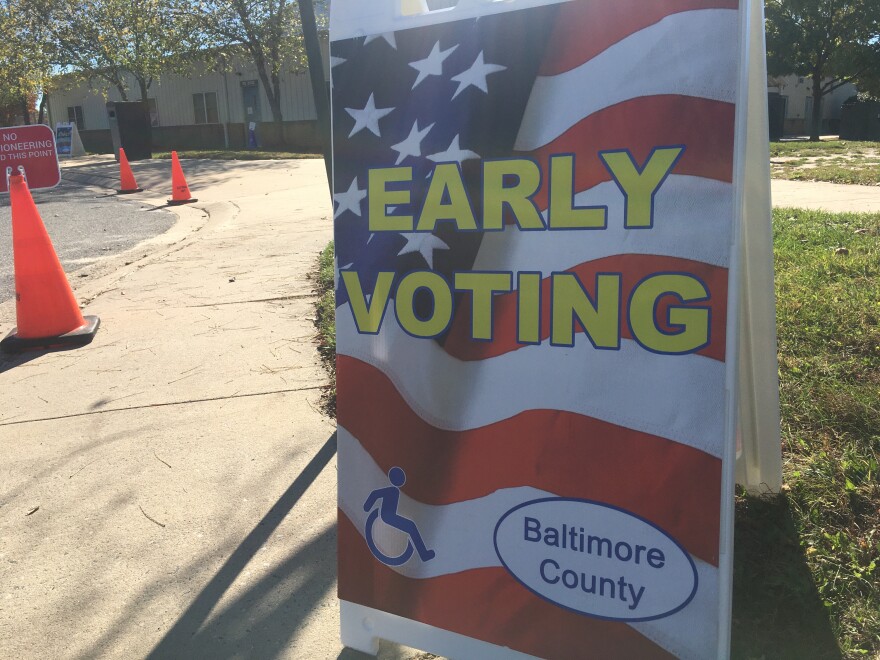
(271,86)
(142,83)
(42,115)
(122,93)
(816,122)
(275,99)
(25,110)
(259,58)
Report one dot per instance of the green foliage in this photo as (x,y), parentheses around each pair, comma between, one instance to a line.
(115,39)
(268,33)
(129,44)
(803,34)
(326,320)
(830,41)
(25,57)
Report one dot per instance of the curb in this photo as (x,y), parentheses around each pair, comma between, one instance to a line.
(89,179)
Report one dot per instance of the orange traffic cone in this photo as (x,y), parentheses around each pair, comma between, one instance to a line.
(126,177)
(46,311)
(179,189)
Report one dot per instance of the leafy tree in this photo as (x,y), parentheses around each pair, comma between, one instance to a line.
(832,42)
(268,32)
(108,39)
(24,62)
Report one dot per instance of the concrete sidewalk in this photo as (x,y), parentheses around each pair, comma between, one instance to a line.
(172,486)
(826,196)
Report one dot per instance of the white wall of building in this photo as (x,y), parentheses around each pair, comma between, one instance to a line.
(173,94)
(797,89)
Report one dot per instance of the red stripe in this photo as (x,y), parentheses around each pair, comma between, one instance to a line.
(633,267)
(586,28)
(672,485)
(486,604)
(640,125)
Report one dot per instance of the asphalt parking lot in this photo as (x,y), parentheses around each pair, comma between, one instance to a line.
(85,224)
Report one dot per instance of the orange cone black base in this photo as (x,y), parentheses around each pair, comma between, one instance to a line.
(179,189)
(127,183)
(46,312)
(12,343)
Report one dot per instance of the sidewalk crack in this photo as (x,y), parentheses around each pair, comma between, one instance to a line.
(298,296)
(162,405)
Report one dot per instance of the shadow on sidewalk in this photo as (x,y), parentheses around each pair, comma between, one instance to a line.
(154,175)
(9,361)
(260,621)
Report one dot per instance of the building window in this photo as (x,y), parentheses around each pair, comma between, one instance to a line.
(153,109)
(205,108)
(75,116)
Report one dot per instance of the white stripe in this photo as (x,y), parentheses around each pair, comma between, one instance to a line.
(646,63)
(462,536)
(691,633)
(356,18)
(691,221)
(461,533)
(680,397)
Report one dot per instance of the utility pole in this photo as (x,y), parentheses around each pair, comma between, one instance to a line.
(319,90)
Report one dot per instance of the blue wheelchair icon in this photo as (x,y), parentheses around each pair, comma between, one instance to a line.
(387,511)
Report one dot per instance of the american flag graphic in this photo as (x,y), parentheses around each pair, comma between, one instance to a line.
(482,426)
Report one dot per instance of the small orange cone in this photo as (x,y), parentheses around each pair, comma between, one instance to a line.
(126,177)
(46,311)
(179,189)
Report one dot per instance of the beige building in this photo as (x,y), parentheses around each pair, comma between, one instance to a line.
(796,93)
(209,107)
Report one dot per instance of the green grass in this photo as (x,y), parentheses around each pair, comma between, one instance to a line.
(825,148)
(828,309)
(807,561)
(862,171)
(833,161)
(237,154)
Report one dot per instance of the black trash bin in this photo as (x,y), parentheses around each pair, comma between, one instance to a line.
(776,111)
(130,129)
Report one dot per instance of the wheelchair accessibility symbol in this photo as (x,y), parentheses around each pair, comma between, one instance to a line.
(387,512)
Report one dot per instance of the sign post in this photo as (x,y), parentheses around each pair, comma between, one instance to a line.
(554,322)
(31,147)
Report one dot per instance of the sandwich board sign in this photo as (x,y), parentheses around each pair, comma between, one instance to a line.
(549,358)
(68,139)
(30,149)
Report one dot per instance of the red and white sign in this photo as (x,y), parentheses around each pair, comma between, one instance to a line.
(541,265)
(33,148)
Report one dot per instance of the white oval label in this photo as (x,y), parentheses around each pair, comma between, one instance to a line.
(595,559)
